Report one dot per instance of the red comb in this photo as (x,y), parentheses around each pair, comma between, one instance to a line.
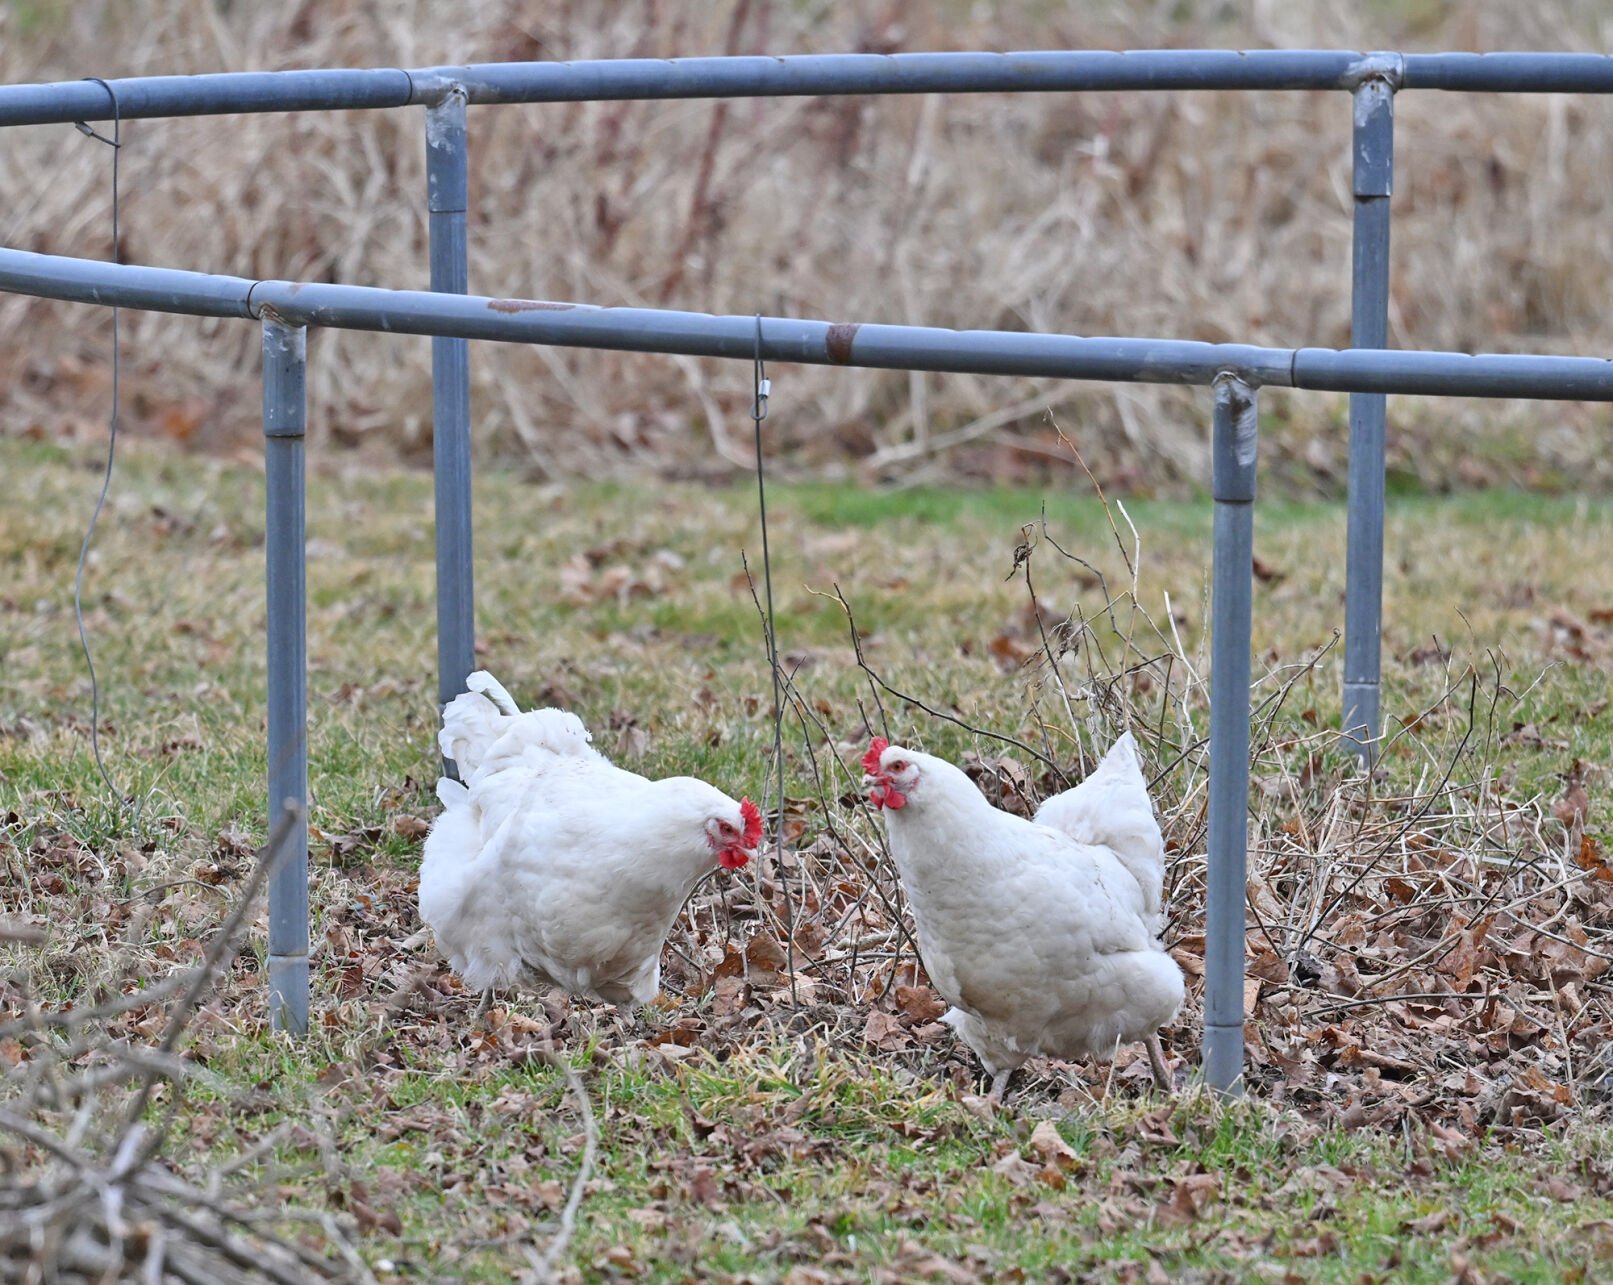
(753,822)
(876,747)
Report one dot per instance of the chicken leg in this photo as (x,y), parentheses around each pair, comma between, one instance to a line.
(1156,1060)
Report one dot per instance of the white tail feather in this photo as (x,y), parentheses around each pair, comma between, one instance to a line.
(490,687)
(470,725)
(1111,808)
(484,730)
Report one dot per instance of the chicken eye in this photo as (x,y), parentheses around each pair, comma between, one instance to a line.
(726,828)
(898,765)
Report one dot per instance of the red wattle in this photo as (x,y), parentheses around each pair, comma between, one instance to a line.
(886,795)
(732,858)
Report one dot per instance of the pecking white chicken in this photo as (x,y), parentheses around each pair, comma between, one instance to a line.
(1043,935)
(549,864)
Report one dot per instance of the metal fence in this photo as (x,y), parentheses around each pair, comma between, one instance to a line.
(1236,372)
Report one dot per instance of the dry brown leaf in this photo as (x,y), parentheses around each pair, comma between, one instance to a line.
(733,962)
(919,1004)
(764,953)
(885,1031)
(1009,652)
(705,1187)
(1189,1198)
(1575,803)
(1017,1170)
(1266,573)
(1268,966)
(1047,1142)
(728,996)
(1433,1222)
(1590,857)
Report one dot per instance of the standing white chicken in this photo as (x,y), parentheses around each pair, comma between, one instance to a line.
(550,864)
(1042,935)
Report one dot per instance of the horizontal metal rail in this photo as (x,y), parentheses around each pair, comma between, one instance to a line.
(982,352)
(807,74)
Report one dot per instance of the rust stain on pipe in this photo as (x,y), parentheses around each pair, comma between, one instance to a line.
(838,342)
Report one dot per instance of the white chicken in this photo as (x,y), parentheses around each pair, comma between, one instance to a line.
(1043,935)
(549,864)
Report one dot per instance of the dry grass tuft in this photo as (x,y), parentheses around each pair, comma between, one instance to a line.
(1203,216)
(92,1092)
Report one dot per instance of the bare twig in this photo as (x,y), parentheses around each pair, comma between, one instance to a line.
(543,1264)
(875,677)
(220,951)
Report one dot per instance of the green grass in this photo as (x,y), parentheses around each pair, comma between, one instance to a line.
(782,1140)
(798,1155)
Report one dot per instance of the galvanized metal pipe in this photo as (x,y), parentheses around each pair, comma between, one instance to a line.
(1233,445)
(786,339)
(1448,374)
(1374,139)
(986,352)
(1037,71)
(1042,71)
(448,186)
(218,94)
(197,294)
(285,422)
(1509,73)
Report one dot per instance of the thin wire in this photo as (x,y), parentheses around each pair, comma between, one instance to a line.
(760,389)
(116,144)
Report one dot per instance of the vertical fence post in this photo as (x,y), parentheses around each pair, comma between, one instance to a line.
(1234,442)
(1374,135)
(448,186)
(285,421)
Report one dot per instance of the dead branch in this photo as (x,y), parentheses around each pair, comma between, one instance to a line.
(75,1195)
